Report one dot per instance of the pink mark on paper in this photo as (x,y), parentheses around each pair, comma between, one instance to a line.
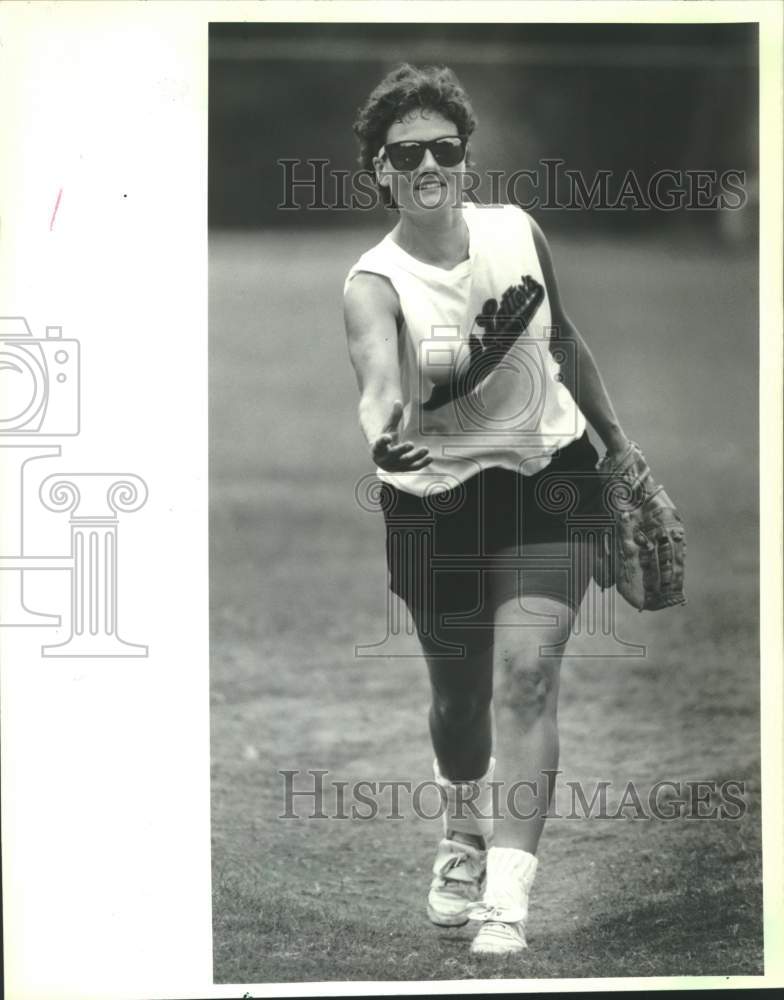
(56,206)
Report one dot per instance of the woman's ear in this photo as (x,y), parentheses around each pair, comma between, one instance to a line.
(382,179)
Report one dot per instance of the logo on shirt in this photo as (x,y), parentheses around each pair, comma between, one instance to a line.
(503,323)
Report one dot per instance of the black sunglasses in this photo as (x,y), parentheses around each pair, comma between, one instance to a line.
(447,151)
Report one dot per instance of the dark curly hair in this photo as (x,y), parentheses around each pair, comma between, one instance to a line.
(435,88)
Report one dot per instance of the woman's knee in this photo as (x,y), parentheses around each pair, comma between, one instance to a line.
(462,695)
(461,708)
(462,688)
(528,658)
(528,685)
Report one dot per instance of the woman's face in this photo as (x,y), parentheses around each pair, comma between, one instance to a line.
(428,187)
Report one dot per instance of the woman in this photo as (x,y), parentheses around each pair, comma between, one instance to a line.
(470,374)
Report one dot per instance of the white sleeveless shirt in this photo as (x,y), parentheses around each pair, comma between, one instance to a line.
(510,409)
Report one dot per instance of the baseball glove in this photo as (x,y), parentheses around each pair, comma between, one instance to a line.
(644,555)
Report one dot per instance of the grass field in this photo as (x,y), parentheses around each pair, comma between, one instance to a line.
(298,578)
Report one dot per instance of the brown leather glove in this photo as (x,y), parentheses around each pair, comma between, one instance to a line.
(647,559)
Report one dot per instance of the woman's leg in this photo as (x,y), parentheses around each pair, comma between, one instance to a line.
(461,713)
(527,670)
(461,730)
(531,632)
(535,612)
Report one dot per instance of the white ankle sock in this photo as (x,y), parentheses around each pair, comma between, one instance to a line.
(510,875)
(469,804)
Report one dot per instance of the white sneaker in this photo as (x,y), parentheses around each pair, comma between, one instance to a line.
(503,909)
(496,937)
(458,883)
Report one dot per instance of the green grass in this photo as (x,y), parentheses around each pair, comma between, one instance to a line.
(298,578)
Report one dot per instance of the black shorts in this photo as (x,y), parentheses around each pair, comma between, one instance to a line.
(454,556)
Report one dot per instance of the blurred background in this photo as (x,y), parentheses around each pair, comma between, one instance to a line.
(667,302)
(614,97)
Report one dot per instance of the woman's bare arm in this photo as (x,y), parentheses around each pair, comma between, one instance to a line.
(370,311)
(582,376)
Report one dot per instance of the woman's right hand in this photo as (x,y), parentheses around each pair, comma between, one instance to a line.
(393,455)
